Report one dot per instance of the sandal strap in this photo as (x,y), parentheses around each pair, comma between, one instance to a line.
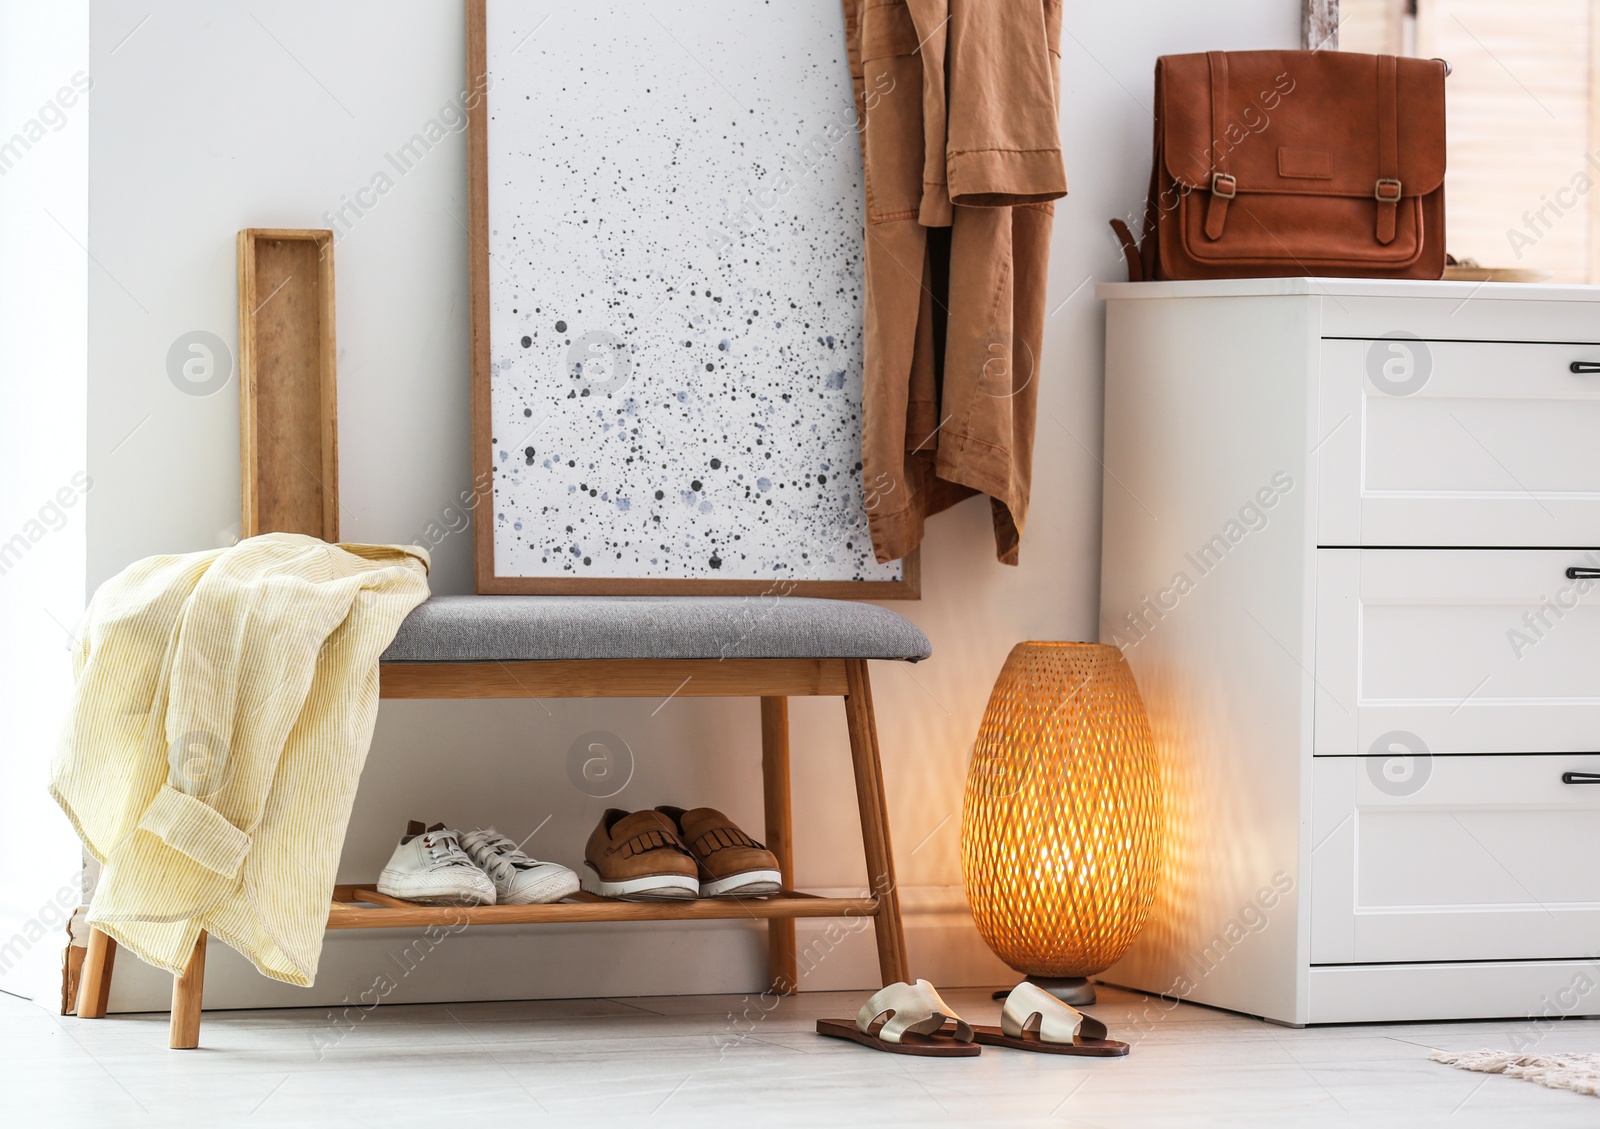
(915,1008)
(1030,1007)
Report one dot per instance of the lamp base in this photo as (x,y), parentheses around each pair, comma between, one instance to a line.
(1074,990)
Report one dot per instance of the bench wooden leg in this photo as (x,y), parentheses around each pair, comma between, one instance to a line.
(186,992)
(875,823)
(780,838)
(94,982)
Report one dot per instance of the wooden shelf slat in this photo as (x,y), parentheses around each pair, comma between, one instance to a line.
(373,897)
(393,913)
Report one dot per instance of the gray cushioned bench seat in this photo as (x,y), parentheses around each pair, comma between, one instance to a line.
(518,628)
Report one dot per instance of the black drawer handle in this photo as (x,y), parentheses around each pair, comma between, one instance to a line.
(1577,573)
(1584,366)
(1580,778)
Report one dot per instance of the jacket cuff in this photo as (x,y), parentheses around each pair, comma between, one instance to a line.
(190,826)
(1004,178)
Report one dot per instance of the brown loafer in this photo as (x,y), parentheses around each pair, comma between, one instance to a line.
(732,864)
(638,857)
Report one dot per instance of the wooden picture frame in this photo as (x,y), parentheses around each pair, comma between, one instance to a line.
(487,581)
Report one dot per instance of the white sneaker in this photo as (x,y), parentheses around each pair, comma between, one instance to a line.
(430,867)
(518,879)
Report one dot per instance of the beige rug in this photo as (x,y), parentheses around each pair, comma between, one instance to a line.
(1580,1072)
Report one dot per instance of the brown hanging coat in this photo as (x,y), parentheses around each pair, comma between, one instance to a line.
(961,152)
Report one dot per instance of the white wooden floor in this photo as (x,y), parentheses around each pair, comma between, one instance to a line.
(717,1061)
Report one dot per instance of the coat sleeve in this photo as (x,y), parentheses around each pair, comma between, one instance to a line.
(1004,144)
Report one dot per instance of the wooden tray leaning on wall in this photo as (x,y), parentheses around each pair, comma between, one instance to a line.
(288,410)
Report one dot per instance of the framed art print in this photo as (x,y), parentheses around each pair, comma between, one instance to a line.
(666,263)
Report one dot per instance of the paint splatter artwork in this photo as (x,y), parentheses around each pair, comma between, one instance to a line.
(675,289)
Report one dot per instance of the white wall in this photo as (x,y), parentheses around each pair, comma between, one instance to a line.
(209,118)
(43,376)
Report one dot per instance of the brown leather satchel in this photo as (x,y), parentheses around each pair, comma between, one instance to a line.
(1294,163)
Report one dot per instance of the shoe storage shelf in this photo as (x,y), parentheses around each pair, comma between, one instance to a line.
(489,647)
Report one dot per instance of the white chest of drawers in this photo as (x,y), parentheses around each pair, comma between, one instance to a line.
(1338,520)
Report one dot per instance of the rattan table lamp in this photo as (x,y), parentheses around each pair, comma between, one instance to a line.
(1060,829)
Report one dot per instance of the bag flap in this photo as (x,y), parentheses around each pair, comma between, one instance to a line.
(1301,122)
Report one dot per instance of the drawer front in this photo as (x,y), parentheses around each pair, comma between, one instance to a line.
(1459,858)
(1474,311)
(1456,651)
(1457,443)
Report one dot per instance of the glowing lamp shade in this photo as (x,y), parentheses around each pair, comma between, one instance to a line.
(1061,828)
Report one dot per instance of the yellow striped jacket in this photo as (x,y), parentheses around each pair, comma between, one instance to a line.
(224,705)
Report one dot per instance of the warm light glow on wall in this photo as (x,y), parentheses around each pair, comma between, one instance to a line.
(1060,831)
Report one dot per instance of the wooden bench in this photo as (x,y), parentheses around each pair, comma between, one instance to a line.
(771,648)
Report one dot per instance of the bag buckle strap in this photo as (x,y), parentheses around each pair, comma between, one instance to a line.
(1224,187)
(1386,189)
